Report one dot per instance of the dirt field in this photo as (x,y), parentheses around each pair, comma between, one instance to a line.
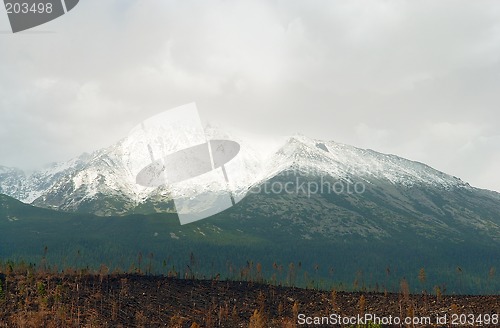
(45,300)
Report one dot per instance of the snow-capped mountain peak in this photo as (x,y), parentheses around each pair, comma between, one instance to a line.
(342,161)
(110,173)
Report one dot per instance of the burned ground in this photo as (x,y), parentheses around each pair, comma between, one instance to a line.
(126,300)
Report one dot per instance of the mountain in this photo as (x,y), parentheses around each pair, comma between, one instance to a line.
(362,192)
(104,181)
(352,211)
(28,188)
(322,187)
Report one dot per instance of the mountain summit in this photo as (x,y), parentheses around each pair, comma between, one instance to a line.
(104,182)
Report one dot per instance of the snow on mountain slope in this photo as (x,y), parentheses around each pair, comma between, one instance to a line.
(101,185)
(11,181)
(27,188)
(104,181)
(111,173)
(40,181)
(343,161)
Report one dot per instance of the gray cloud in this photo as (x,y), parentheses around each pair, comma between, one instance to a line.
(418,79)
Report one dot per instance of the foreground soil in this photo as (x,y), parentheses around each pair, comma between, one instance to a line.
(44,300)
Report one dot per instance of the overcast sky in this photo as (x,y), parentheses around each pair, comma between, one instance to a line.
(419,79)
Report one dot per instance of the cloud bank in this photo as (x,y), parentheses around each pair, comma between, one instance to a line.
(419,79)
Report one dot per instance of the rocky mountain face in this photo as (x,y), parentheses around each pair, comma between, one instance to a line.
(321,187)
(104,182)
(339,190)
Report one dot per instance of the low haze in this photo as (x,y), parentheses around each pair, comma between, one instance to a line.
(419,79)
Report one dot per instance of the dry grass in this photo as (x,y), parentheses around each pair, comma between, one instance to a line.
(41,299)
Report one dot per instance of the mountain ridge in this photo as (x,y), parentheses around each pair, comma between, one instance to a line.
(103,182)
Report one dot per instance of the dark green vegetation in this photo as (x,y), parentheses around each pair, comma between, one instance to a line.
(351,242)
